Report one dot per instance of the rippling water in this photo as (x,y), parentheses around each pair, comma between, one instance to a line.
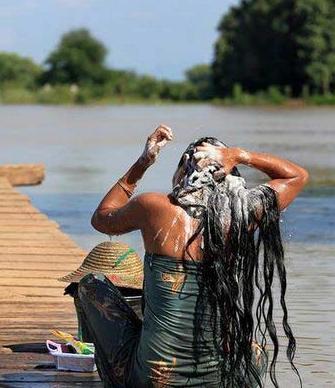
(86,149)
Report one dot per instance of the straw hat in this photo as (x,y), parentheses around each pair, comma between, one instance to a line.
(116,260)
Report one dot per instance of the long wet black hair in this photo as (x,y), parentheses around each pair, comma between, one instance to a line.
(237,264)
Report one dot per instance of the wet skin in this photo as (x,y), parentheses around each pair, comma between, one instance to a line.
(165,226)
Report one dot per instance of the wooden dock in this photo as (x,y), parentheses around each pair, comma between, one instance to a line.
(34,252)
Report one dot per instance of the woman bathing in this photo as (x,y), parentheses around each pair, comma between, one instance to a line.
(212,247)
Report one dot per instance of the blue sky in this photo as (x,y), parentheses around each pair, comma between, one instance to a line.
(162,38)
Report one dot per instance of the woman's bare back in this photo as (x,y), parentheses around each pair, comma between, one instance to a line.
(168,227)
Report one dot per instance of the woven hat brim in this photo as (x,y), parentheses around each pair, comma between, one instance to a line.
(115,260)
(129,281)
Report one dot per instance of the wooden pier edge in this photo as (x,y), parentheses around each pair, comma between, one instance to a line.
(34,252)
(23,174)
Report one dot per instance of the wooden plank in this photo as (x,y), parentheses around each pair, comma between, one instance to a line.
(48,237)
(20,283)
(52,259)
(24,216)
(20,229)
(27,209)
(23,174)
(33,327)
(9,190)
(52,249)
(54,233)
(48,320)
(33,301)
(23,360)
(13,196)
(28,282)
(45,243)
(51,383)
(50,317)
(48,379)
(14,203)
(60,305)
(64,265)
(17,206)
(50,273)
(27,222)
(32,290)
(67,317)
(50,312)
(34,333)
(63,302)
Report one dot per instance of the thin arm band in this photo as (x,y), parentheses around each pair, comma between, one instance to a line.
(126,188)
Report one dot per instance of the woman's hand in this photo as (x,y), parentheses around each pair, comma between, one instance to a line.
(228,158)
(156,141)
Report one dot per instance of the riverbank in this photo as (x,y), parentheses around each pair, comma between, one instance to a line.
(72,95)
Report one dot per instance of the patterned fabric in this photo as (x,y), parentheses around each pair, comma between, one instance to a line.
(114,327)
(158,351)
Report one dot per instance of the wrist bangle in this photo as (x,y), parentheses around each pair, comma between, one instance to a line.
(125,188)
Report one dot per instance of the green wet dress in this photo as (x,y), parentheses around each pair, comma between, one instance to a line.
(158,351)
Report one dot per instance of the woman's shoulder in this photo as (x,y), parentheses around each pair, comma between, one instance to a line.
(154,199)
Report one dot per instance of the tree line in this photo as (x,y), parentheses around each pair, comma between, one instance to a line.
(76,71)
(266,49)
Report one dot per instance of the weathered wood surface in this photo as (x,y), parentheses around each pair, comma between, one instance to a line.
(24,369)
(23,174)
(34,252)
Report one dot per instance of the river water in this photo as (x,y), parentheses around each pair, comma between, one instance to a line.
(85,149)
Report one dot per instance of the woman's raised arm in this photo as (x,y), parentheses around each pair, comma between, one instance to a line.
(287,178)
(116,213)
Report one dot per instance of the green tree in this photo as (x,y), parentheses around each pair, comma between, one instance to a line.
(200,76)
(18,70)
(285,43)
(316,43)
(79,58)
(177,91)
(147,86)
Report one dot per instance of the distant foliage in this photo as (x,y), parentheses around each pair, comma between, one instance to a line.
(78,59)
(286,43)
(18,71)
(268,52)
(200,77)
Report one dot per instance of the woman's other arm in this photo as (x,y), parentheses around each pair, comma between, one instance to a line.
(287,178)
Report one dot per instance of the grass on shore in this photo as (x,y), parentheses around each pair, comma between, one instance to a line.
(274,96)
(66,95)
